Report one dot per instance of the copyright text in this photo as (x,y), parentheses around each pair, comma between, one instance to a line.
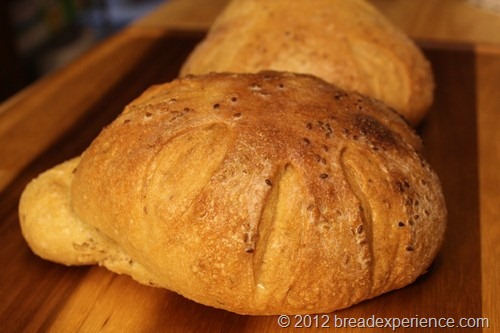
(394,323)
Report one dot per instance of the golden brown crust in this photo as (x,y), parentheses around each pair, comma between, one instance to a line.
(346,42)
(261,193)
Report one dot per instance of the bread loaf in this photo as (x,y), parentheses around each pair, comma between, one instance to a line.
(256,193)
(346,42)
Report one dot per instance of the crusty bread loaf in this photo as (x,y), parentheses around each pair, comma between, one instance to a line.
(257,193)
(346,42)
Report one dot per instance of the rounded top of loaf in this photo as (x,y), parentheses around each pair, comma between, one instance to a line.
(346,42)
(263,193)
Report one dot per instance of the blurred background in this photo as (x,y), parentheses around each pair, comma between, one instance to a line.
(39,36)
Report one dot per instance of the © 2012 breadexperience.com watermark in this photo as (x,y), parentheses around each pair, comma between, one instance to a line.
(394,323)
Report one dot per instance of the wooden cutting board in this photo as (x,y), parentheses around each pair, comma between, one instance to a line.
(40,296)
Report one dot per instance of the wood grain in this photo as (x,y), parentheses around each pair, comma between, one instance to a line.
(184,15)
(34,119)
(488,78)
(456,21)
(39,296)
